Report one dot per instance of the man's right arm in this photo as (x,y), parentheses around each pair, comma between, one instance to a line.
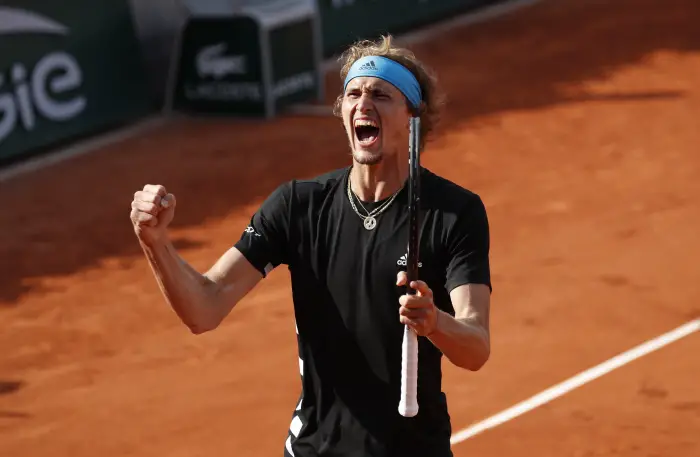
(202,301)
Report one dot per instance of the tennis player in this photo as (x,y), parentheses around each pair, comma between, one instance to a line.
(343,236)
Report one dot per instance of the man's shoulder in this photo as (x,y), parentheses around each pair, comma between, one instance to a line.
(438,190)
(328,178)
(318,185)
(308,190)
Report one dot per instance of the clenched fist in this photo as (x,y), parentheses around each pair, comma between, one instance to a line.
(152,210)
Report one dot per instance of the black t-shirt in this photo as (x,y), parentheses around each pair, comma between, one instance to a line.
(346,306)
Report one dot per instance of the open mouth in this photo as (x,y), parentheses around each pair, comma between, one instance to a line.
(366,131)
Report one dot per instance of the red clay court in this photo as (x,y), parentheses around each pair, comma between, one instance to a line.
(577,123)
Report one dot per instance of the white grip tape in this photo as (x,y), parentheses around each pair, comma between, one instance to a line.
(408,405)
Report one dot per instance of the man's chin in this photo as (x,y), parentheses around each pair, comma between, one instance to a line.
(367,158)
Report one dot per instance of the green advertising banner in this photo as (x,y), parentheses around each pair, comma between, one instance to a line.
(345,21)
(67,68)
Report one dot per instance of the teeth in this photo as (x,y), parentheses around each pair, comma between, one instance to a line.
(365,123)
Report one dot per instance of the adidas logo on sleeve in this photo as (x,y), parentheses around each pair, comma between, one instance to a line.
(250,230)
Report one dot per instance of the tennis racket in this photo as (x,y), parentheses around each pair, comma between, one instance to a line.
(408,405)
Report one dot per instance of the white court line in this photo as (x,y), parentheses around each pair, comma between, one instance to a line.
(577,381)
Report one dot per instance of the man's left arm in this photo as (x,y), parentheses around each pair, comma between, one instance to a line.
(465,338)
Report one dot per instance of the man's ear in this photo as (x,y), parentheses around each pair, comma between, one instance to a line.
(337,107)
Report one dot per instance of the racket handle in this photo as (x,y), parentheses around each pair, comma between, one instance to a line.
(408,405)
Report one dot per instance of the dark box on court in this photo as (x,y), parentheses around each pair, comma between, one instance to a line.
(253,63)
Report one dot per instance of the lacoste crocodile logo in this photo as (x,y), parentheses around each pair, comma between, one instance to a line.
(212,61)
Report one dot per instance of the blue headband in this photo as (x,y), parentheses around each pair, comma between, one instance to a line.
(390,71)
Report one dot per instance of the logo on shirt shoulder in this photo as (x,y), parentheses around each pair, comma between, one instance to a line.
(251,230)
(403,261)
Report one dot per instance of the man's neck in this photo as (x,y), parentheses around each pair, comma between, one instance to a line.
(373,183)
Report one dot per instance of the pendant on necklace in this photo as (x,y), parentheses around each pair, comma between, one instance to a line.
(370,223)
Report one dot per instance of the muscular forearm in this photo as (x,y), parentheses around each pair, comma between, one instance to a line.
(464,343)
(190,294)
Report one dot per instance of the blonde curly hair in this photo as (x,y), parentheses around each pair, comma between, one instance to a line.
(433,100)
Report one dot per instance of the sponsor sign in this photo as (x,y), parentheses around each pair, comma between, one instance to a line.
(64,73)
(252,63)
